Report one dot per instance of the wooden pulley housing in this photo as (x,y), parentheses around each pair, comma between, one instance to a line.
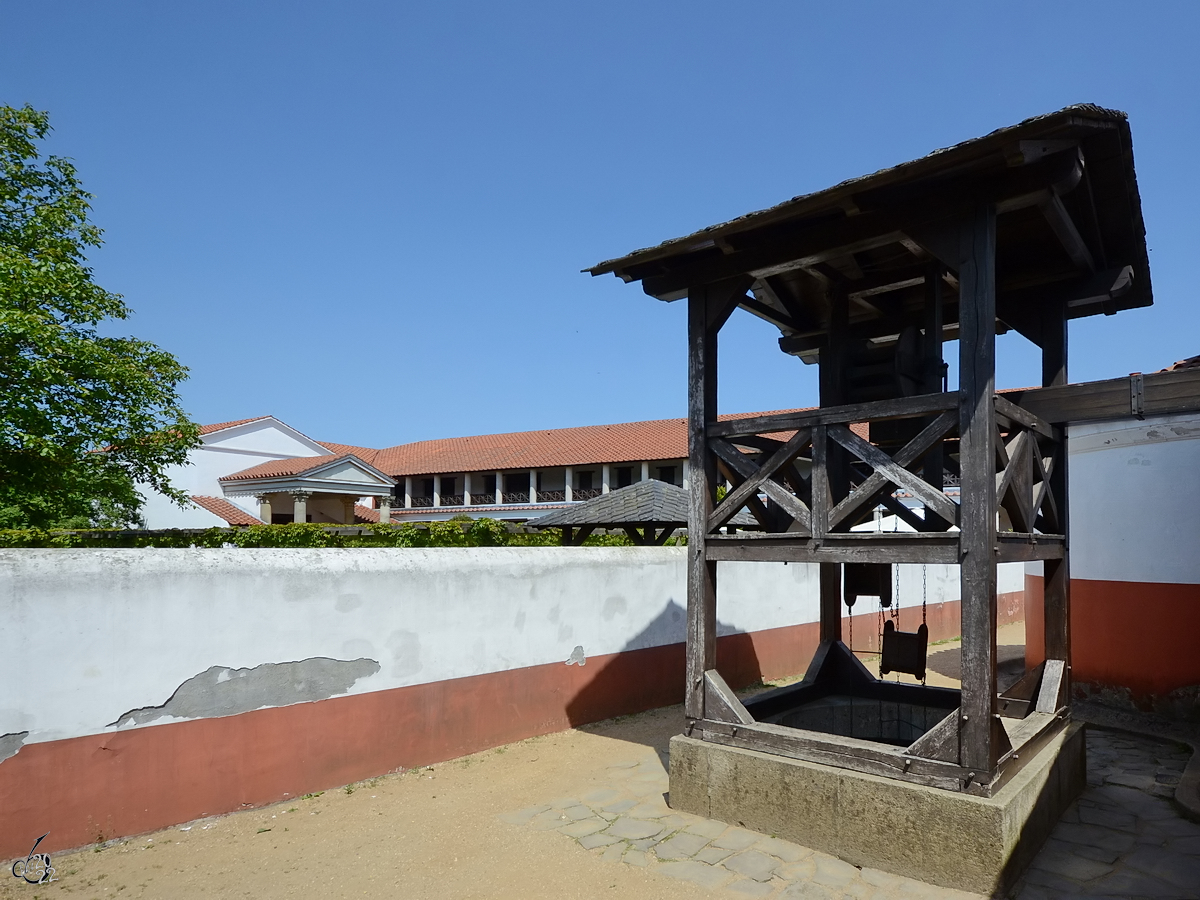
(867,580)
(904,651)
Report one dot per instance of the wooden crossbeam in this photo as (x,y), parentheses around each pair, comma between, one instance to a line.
(756,478)
(933,499)
(756,507)
(1044,503)
(902,408)
(1013,485)
(759,478)
(879,479)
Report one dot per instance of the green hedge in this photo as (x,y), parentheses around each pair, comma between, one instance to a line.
(460,532)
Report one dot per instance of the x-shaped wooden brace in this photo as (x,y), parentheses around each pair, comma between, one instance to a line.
(892,470)
(1023,482)
(760,477)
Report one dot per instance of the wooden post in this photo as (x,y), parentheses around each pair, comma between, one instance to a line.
(932,383)
(977,558)
(702,574)
(708,308)
(834,483)
(1057,572)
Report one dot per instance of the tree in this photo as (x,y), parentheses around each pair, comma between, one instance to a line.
(83,417)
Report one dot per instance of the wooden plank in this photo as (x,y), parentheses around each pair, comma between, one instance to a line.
(721,703)
(930,435)
(940,742)
(977,433)
(1013,547)
(1164,392)
(828,749)
(934,500)
(804,550)
(1050,690)
(904,407)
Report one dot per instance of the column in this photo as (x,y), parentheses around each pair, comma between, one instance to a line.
(499,487)
(300,505)
(408,492)
(1057,572)
(533,485)
(604,478)
(570,487)
(980,735)
(645,471)
(264,508)
(348,504)
(466,488)
(685,474)
(437,490)
(385,510)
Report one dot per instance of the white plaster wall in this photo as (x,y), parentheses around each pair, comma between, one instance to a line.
(97,633)
(223,453)
(1135,500)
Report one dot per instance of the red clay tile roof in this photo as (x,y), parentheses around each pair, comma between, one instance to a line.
(281,467)
(366,454)
(223,509)
(1192,362)
(627,442)
(221,426)
(365,514)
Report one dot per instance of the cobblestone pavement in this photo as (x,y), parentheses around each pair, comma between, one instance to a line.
(1122,838)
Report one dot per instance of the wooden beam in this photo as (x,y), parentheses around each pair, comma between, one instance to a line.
(759,477)
(979,748)
(1068,235)
(833,414)
(721,703)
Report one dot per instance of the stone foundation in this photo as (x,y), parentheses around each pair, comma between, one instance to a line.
(957,840)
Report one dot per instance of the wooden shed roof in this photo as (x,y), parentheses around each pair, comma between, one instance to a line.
(1069,225)
(644,503)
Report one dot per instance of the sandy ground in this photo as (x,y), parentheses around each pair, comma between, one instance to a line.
(432,832)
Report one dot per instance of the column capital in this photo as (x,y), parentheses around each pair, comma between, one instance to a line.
(301,495)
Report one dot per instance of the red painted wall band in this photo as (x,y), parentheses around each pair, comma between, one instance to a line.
(97,787)
(1135,635)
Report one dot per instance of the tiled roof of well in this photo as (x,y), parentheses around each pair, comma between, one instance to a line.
(277,468)
(223,509)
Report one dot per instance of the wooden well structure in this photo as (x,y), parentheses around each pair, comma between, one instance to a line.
(1023,229)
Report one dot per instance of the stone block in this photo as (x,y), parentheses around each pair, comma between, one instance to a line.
(952,839)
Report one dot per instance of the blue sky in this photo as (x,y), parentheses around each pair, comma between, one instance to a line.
(369,218)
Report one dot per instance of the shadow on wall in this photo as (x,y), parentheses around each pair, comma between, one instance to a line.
(648,672)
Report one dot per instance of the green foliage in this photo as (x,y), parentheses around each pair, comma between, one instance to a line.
(458,532)
(67,391)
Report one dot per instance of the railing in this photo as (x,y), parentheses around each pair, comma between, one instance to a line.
(516,496)
(452,500)
(420,502)
(758,457)
(484,499)
(586,493)
(552,496)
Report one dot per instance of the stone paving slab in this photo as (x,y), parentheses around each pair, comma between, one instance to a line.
(1122,838)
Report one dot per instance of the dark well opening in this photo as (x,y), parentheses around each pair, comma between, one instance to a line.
(840,696)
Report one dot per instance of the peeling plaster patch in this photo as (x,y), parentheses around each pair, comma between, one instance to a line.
(221,691)
(11,743)
(577,658)
(405,647)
